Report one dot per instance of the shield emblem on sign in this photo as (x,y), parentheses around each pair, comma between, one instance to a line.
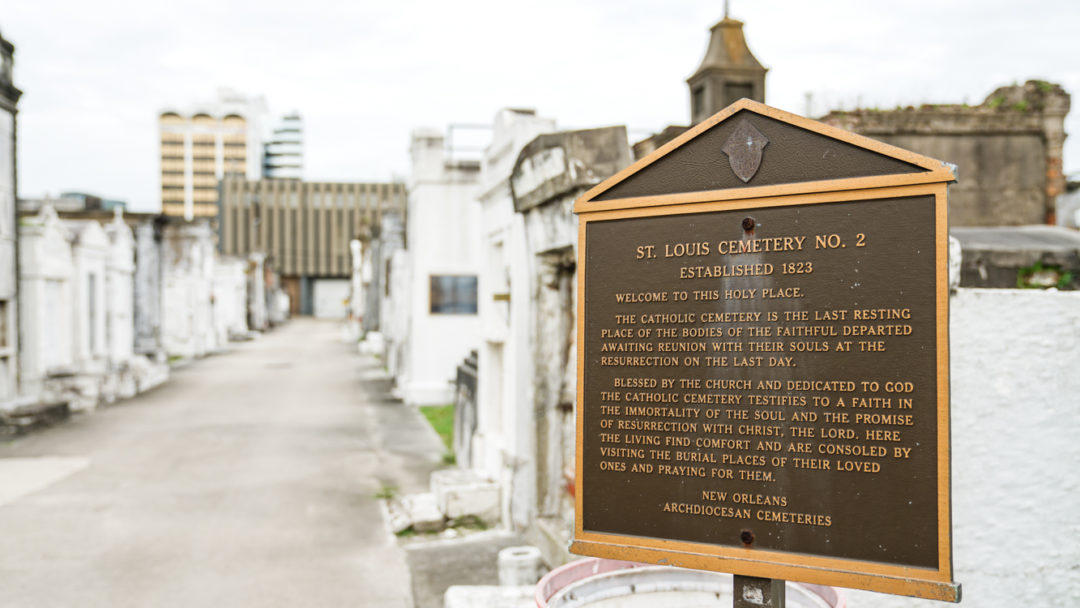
(744,149)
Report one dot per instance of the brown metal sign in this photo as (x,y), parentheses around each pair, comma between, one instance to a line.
(763,369)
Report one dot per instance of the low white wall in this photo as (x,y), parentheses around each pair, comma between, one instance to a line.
(329,298)
(1016,450)
(230,299)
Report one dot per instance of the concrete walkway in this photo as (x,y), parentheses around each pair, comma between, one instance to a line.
(249,479)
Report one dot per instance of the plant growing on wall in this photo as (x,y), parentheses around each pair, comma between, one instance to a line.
(1039,276)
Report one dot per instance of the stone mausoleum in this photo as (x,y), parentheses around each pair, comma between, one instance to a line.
(1008,150)
(9,319)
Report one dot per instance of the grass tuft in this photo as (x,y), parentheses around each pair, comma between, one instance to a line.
(441,418)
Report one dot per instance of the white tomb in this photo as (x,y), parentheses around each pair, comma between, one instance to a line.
(442,264)
(503,445)
(188,283)
(120,309)
(257,300)
(45,298)
(230,300)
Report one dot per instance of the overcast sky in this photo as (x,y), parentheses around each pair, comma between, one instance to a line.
(364,74)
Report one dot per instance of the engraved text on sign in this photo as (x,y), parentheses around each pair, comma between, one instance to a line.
(776,382)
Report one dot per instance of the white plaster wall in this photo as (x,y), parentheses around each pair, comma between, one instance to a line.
(505,440)
(121,379)
(519,419)
(395,312)
(504,443)
(73,351)
(121,341)
(443,240)
(553,226)
(45,300)
(258,306)
(147,291)
(179,303)
(208,262)
(7,205)
(493,447)
(378,294)
(549,228)
(8,289)
(1015,364)
(119,292)
(90,251)
(279,307)
(230,299)
(329,297)
(359,267)
(187,286)
(1068,209)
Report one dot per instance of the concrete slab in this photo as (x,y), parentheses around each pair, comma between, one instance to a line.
(438,565)
(460,493)
(486,596)
(249,479)
(22,476)
(423,512)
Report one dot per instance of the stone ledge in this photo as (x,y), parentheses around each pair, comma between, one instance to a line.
(23,419)
(461,493)
(487,596)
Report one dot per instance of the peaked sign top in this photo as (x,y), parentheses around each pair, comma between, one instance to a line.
(749,150)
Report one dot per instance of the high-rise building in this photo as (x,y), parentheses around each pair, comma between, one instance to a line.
(283,152)
(9,349)
(203,144)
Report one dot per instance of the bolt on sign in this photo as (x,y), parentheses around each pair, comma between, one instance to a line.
(763,383)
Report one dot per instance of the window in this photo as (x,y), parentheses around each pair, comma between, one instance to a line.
(697,101)
(453,295)
(734,91)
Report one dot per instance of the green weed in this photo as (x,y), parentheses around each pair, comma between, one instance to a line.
(441,418)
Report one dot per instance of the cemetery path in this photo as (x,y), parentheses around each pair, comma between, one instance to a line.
(248,479)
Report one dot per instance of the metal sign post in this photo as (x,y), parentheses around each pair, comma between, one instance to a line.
(754,592)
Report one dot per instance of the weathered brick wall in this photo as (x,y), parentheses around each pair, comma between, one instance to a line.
(1008,150)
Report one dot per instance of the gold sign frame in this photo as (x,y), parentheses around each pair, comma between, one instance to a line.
(933,583)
